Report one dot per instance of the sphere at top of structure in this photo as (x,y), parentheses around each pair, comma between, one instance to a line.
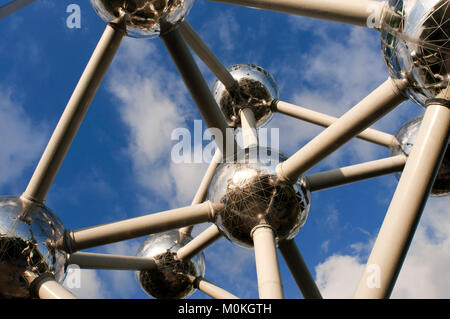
(256,90)
(144,17)
(416,45)
(253,194)
(172,278)
(28,237)
(406,136)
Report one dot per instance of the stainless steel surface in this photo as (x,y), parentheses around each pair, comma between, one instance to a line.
(252,193)
(107,261)
(416,45)
(171,278)
(407,136)
(144,17)
(28,236)
(256,90)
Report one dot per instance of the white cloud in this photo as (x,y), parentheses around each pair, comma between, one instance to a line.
(21,139)
(424,273)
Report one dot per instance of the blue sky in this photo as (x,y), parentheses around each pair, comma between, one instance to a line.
(118,166)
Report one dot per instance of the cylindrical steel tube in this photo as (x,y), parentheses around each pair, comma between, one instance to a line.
(139,226)
(370,135)
(199,90)
(73,115)
(212,290)
(382,100)
(103,261)
(361,12)
(354,173)
(407,204)
(207,56)
(299,269)
(248,123)
(200,242)
(267,268)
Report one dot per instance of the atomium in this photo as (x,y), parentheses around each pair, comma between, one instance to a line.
(256,89)
(406,135)
(416,45)
(143,18)
(252,194)
(257,197)
(28,237)
(172,278)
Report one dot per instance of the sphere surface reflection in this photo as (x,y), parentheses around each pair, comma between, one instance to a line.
(256,90)
(252,194)
(28,236)
(416,45)
(171,278)
(143,17)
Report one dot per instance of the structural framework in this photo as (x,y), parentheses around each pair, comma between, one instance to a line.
(254,195)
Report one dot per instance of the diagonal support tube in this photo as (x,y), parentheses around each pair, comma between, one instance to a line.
(200,242)
(212,290)
(207,56)
(363,13)
(403,215)
(13,6)
(354,173)
(370,135)
(138,227)
(267,268)
(382,100)
(73,115)
(199,90)
(116,262)
(299,269)
(203,188)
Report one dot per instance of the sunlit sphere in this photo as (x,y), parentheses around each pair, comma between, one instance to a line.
(171,278)
(252,194)
(416,45)
(406,136)
(256,90)
(28,236)
(144,17)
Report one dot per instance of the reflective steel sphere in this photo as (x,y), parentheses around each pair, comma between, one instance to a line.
(416,45)
(171,279)
(28,236)
(257,89)
(253,194)
(144,17)
(406,136)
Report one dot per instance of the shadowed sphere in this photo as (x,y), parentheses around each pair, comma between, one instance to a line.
(28,236)
(170,279)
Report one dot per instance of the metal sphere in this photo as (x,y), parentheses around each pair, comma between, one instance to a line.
(256,90)
(28,236)
(416,45)
(406,136)
(171,279)
(144,17)
(253,194)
